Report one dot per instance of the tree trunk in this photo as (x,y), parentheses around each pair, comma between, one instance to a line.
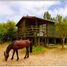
(63,40)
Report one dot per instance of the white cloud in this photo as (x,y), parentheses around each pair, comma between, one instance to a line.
(60,11)
(5,10)
(14,10)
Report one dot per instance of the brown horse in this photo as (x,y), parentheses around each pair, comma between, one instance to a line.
(18,44)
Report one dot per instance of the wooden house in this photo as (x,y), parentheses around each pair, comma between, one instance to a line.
(37,29)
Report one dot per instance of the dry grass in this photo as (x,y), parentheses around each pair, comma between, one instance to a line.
(53,56)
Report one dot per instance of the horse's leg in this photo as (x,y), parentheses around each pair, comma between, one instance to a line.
(27,53)
(17,55)
(13,55)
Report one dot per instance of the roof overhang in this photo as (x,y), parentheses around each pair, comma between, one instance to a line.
(32,20)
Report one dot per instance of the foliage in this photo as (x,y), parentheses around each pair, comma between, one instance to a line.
(61,28)
(60,25)
(2,31)
(36,50)
(47,15)
(8,31)
(11,29)
(39,49)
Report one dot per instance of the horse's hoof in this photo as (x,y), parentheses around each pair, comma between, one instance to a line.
(27,56)
(11,58)
(24,57)
(17,59)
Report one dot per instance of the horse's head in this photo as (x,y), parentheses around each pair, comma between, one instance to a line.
(6,56)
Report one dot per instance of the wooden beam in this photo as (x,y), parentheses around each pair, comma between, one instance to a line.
(24,28)
(38,40)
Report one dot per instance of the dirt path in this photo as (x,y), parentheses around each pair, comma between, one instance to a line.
(49,58)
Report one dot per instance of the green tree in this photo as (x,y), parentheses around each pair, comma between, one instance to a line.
(47,15)
(61,28)
(65,20)
(3,31)
(8,31)
(11,30)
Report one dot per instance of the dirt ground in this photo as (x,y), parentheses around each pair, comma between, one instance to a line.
(51,57)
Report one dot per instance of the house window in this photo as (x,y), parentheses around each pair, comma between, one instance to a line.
(42,30)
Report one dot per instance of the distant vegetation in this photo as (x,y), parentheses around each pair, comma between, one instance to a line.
(60,24)
(8,30)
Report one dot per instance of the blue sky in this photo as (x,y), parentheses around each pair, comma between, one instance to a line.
(14,10)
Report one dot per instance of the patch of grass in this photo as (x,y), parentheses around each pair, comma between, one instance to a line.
(38,50)
(35,50)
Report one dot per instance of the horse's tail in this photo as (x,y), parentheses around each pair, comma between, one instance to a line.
(31,48)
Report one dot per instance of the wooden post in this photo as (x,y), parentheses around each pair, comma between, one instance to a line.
(39,41)
(32,41)
(66,41)
(35,33)
(54,40)
(38,36)
(47,42)
(24,28)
